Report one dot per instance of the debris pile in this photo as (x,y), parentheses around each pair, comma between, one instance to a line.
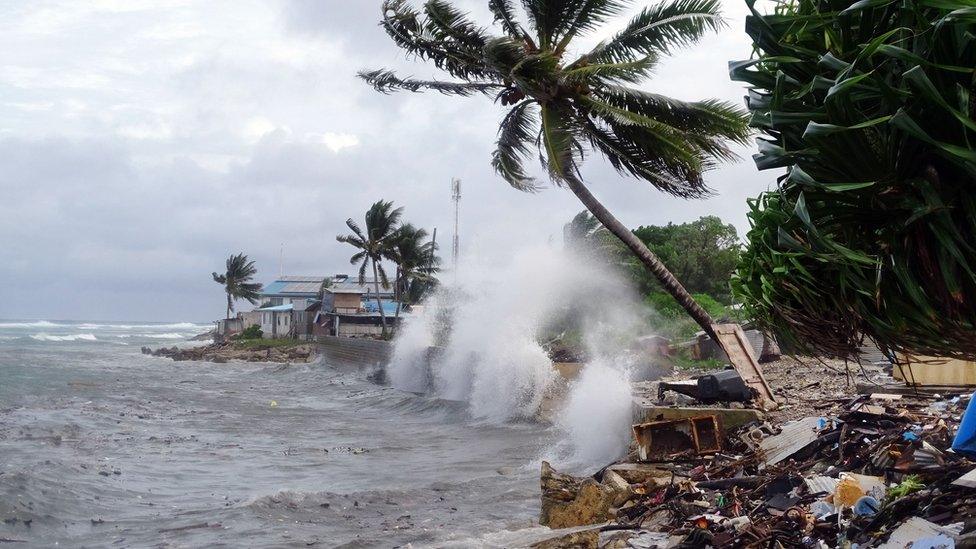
(878,473)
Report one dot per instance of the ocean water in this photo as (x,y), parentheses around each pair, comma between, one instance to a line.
(102,446)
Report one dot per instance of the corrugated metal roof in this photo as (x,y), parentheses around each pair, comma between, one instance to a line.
(277,308)
(794,436)
(308,286)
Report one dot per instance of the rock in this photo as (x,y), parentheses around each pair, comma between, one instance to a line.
(221,353)
(651,476)
(589,539)
(620,487)
(568,501)
(615,540)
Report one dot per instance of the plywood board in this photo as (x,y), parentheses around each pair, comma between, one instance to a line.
(926,370)
(737,347)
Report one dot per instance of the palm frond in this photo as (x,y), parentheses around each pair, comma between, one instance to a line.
(362,271)
(384,280)
(634,157)
(514,136)
(356,230)
(559,144)
(445,22)
(385,81)
(458,57)
(504,14)
(713,117)
(584,16)
(661,29)
(606,74)
(358,256)
(671,145)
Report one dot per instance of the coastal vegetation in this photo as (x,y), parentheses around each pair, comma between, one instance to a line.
(385,238)
(237,281)
(702,253)
(870,109)
(373,245)
(416,266)
(570,107)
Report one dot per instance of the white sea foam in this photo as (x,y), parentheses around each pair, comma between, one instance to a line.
(71,337)
(490,356)
(596,418)
(173,326)
(100,326)
(35,324)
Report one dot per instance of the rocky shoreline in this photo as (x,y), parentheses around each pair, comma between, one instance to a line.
(221,353)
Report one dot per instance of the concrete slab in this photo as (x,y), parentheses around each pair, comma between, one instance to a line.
(731,418)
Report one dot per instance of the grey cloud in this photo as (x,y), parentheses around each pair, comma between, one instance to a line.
(120,199)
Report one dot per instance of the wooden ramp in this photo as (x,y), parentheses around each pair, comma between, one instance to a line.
(733,341)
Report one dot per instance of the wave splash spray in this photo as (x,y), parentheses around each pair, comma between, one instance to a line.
(485,334)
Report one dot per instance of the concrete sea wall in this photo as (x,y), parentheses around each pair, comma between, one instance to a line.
(344,352)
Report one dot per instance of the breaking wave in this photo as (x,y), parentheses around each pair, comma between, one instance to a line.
(478,342)
(72,337)
(173,326)
(100,326)
(171,335)
(37,324)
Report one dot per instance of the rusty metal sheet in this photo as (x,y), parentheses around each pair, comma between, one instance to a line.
(670,439)
(739,351)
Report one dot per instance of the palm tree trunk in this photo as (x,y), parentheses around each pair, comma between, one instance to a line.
(398,287)
(229,305)
(398,296)
(653,264)
(379,303)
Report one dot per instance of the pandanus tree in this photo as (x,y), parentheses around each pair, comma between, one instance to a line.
(416,263)
(566,107)
(870,109)
(237,281)
(374,244)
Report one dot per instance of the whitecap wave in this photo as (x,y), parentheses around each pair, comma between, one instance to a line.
(72,337)
(168,335)
(173,326)
(35,324)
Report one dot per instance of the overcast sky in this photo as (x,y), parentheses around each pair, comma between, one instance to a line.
(141,142)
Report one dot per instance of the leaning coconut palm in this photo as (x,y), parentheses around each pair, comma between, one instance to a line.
(567,107)
(382,224)
(416,263)
(237,281)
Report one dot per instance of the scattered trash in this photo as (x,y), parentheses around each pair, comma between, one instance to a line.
(724,386)
(875,471)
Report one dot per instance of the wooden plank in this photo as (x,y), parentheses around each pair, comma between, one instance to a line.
(737,347)
(926,370)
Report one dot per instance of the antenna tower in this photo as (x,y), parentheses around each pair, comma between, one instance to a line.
(456,247)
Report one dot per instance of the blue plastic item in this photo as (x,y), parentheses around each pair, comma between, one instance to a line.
(866,506)
(965,441)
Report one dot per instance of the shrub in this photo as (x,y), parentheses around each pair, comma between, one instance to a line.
(251,332)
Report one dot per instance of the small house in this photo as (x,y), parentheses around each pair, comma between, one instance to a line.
(276,321)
